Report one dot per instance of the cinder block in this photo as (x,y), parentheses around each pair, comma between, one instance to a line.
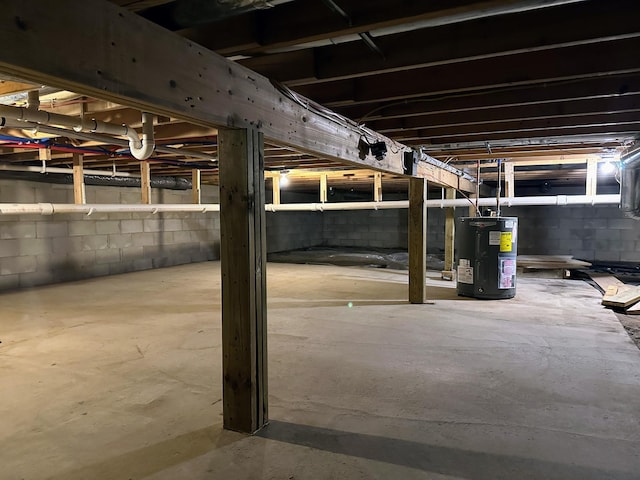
(131,226)
(143,239)
(85,227)
(172,225)
(610,235)
(83,259)
(120,241)
(130,195)
(9,282)
(630,256)
(110,255)
(15,229)
(95,242)
(129,254)
(9,248)
(35,246)
(52,229)
(107,195)
(34,279)
(108,227)
(622,223)
(21,264)
(152,225)
(64,245)
(142,264)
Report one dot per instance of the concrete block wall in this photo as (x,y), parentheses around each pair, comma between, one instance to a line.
(293,230)
(37,250)
(592,233)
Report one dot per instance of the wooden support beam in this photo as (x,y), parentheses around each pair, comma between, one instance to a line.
(449,236)
(509,180)
(472,206)
(243,264)
(196,183)
(417,240)
(592,176)
(44,154)
(377,187)
(79,195)
(145,182)
(190,82)
(275,188)
(323,188)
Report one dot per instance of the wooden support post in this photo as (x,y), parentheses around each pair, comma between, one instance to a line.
(145,181)
(323,188)
(243,264)
(196,182)
(472,206)
(79,195)
(377,187)
(44,154)
(417,239)
(592,176)
(449,236)
(275,189)
(509,180)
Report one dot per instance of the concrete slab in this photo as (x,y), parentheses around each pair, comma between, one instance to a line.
(119,378)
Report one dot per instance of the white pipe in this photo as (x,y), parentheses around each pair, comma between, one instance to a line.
(51,208)
(140,149)
(557,200)
(4,122)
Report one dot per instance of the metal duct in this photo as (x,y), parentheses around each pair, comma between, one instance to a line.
(169,183)
(190,13)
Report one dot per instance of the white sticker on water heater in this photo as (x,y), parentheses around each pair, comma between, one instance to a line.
(494,238)
(465,274)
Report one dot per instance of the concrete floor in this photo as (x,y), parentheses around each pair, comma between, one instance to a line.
(119,378)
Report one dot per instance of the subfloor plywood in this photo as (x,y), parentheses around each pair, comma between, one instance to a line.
(120,377)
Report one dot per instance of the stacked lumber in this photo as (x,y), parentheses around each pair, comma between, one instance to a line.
(543,262)
(618,295)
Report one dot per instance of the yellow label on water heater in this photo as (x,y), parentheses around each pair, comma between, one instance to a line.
(505,241)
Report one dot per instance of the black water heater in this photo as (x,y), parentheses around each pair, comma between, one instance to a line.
(486,251)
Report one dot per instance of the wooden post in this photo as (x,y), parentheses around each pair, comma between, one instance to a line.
(275,189)
(323,188)
(79,195)
(472,206)
(44,154)
(377,187)
(196,182)
(509,180)
(243,264)
(449,236)
(417,239)
(592,176)
(145,182)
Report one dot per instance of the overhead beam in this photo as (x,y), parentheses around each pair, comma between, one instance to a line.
(610,86)
(612,121)
(529,68)
(544,29)
(303,22)
(539,111)
(170,76)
